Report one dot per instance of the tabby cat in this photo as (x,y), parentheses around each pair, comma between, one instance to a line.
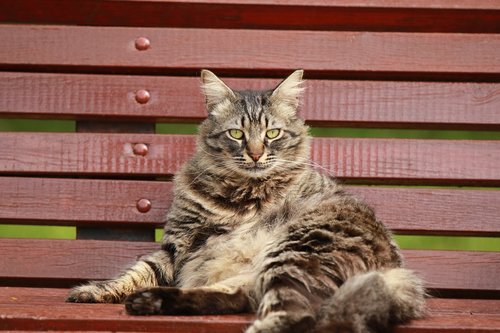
(253,227)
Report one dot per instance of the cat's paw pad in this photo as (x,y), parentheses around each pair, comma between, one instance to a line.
(143,303)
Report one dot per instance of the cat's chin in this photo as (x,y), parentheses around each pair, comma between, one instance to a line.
(255,171)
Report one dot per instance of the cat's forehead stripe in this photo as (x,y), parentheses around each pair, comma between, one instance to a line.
(252,106)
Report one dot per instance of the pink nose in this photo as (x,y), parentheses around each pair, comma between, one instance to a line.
(255,156)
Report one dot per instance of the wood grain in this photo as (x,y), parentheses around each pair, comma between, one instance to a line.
(35,309)
(90,202)
(355,160)
(94,154)
(411,55)
(434,211)
(325,103)
(78,260)
(428,16)
(38,296)
(83,202)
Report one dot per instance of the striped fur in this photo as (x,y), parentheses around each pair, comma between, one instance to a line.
(254,227)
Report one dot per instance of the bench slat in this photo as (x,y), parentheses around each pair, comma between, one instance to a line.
(326,103)
(77,260)
(439,56)
(391,161)
(85,202)
(57,295)
(431,16)
(44,309)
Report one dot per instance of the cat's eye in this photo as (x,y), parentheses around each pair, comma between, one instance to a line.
(273,133)
(236,134)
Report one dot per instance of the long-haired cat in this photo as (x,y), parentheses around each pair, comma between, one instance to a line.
(253,227)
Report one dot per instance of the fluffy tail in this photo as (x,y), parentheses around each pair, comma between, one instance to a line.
(372,302)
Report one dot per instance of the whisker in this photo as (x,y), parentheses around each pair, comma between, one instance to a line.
(307,162)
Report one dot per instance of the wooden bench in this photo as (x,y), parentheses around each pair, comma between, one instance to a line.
(119,67)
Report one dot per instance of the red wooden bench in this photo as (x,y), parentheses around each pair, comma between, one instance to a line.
(120,67)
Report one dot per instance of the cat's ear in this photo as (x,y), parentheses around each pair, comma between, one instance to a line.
(215,90)
(288,92)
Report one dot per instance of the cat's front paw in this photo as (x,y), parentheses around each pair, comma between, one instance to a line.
(146,302)
(91,293)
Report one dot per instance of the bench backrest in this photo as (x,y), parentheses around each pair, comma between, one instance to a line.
(118,68)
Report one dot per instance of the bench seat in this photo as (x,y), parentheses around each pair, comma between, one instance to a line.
(44,309)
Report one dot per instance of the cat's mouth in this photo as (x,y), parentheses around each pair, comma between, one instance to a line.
(255,167)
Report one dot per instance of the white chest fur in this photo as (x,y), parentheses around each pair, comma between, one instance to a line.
(231,260)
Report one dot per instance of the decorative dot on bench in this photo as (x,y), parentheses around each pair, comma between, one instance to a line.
(142,96)
(140,149)
(142,43)
(143,205)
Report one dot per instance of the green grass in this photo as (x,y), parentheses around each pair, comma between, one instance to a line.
(37,125)
(404,133)
(412,242)
(405,241)
(36,231)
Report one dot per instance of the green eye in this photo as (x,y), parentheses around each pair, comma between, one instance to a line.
(236,134)
(273,133)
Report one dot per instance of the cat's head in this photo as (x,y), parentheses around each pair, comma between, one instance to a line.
(254,134)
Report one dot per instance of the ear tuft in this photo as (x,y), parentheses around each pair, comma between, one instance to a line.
(289,90)
(215,89)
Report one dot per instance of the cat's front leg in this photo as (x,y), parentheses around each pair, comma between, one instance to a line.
(154,270)
(192,301)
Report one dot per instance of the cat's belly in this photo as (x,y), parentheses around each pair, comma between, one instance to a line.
(231,260)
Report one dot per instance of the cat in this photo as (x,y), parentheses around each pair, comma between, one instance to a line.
(255,228)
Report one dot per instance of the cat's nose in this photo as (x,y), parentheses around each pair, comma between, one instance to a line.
(255,155)
(255,151)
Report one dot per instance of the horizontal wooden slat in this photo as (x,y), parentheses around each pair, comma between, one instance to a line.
(438,56)
(410,161)
(456,270)
(332,103)
(85,202)
(435,211)
(356,160)
(38,296)
(44,309)
(29,308)
(86,260)
(464,16)
(92,153)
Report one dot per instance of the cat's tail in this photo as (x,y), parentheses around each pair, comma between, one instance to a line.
(373,301)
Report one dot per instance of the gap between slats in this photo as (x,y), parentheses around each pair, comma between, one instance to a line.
(428,16)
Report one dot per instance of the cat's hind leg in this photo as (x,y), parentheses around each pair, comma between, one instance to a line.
(154,270)
(294,282)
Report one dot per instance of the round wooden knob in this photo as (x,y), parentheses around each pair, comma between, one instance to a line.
(142,96)
(142,44)
(143,205)
(141,149)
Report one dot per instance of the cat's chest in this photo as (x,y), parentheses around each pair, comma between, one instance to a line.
(241,251)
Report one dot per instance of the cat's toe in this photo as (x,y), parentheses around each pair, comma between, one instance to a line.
(92,293)
(80,295)
(143,303)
